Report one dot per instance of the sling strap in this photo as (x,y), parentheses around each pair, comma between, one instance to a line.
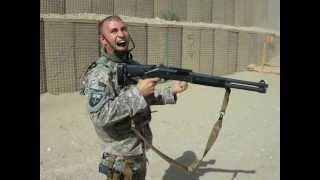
(211,140)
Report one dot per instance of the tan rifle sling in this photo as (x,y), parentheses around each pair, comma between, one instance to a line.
(211,140)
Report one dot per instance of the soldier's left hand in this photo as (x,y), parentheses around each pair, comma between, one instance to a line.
(179,86)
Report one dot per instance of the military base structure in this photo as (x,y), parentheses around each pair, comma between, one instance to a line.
(209,36)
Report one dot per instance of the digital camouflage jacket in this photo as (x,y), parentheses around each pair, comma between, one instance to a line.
(112,108)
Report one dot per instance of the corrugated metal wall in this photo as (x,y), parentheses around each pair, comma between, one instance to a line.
(218,14)
(221,52)
(243,51)
(86,48)
(52,6)
(232,51)
(229,10)
(138,32)
(206,51)
(157,44)
(102,6)
(191,49)
(59,57)
(43,84)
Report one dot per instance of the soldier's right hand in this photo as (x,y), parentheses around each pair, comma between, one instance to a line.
(147,86)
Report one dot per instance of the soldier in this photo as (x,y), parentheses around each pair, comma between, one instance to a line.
(112,108)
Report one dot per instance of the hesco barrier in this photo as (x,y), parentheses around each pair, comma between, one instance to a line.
(138,8)
(90,6)
(86,48)
(70,47)
(206,10)
(277,46)
(161,7)
(174,46)
(218,11)
(180,8)
(249,12)
(221,52)
(67,47)
(78,6)
(243,51)
(52,6)
(145,8)
(102,6)
(164,44)
(207,51)
(138,32)
(171,8)
(232,51)
(43,84)
(156,51)
(253,48)
(194,10)
(59,57)
(260,12)
(125,7)
(240,12)
(229,10)
(191,48)
(260,41)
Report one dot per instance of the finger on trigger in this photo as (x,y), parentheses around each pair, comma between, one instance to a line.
(155,79)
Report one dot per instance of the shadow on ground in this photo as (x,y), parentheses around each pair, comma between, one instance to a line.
(187,158)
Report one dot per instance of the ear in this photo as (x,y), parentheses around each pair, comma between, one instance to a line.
(102,39)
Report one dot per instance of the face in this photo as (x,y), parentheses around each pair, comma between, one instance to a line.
(115,36)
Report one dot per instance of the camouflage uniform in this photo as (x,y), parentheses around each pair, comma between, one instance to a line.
(112,108)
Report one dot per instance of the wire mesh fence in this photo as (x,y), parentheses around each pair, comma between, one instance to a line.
(68,47)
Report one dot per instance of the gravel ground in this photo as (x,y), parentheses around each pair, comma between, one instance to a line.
(248,146)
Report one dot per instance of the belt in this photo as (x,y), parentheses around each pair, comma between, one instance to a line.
(106,154)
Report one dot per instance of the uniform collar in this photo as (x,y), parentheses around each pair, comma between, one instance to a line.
(126,58)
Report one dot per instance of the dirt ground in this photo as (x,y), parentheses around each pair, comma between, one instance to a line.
(248,147)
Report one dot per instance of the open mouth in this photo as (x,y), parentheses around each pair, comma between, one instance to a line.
(122,43)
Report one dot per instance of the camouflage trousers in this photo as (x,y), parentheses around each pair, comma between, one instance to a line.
(123,168)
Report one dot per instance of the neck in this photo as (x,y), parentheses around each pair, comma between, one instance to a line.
(116,56)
